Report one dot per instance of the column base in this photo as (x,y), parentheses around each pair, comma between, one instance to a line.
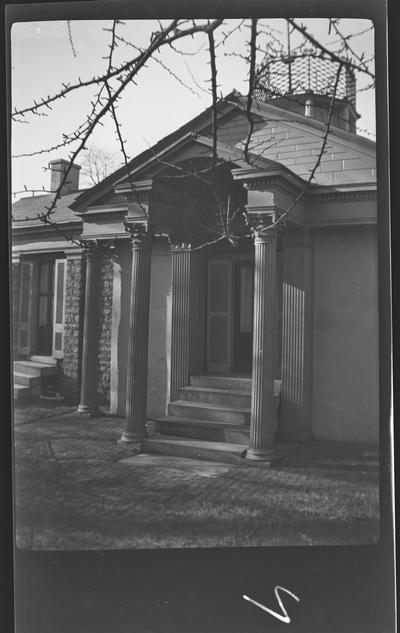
(133,440)
(87,409)
(268,457)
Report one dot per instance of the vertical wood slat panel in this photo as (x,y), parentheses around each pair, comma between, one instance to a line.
(293,344)
(181,266)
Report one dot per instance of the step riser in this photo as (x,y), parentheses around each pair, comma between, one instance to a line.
(220,382)
(27,380)
(23,367)
(208,433)
(191,452)
(202,413)
(47,360)
(231,400)
(22,394)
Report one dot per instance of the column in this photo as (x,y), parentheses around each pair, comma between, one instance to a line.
(88,401)
(180,317)
(136,387)
(263,416)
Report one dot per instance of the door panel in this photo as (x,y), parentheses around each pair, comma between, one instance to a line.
(45,308)
(243,322)
(25,310)
(219,317)
(59,307)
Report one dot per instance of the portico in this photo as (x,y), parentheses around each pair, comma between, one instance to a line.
(219,309)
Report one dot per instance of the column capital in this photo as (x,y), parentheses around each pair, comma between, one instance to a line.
(180,243)
(262,229)
(92,247)
(140,233)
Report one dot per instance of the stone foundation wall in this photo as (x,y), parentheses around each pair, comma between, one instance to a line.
(104,306)
(73,328)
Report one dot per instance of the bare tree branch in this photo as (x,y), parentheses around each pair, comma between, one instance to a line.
(251,86)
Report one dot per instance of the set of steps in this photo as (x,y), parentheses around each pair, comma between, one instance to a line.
(30,374)
(211,420)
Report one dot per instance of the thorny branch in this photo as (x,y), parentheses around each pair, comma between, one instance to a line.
(251,86)
(106,101)
(333,56)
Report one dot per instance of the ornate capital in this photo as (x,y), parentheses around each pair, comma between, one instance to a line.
(180,243)
(91,248)
(94,247)
(140,233)
(262,229)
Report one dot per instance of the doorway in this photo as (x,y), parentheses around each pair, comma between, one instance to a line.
(44,335)
(230,291)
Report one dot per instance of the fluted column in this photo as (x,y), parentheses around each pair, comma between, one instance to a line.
(136,387)
(180,317)
(263,417)
(88,400)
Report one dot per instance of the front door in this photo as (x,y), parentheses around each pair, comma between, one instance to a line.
(230,316)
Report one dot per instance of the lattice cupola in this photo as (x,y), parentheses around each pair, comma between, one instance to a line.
(304,83)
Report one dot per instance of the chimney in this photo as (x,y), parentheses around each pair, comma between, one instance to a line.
(57,170)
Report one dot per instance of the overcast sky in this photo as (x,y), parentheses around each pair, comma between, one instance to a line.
(42,57)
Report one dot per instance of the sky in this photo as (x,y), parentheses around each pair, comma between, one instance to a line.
(169,91)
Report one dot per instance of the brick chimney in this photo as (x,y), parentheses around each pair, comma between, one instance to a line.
(57,169)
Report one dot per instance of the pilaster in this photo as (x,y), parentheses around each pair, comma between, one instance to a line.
(180,318)
(88,400)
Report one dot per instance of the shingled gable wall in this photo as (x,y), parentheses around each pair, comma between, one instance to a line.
(296,143)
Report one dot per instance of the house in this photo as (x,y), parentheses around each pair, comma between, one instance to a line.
(223,345)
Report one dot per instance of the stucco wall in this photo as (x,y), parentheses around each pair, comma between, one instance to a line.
(159,330)
(345,345)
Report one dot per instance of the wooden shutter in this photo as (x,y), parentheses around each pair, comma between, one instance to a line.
(219,317)
(60,273)
(25,309)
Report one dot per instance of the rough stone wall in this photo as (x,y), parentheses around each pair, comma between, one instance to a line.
(104,306)
(73,327)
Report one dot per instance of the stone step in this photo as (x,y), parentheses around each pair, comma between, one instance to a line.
(204,411)
(195,449)
(204,430)
(34,368)
(237,383)
(46,360)
(230,397)
(27,380)
(21,392)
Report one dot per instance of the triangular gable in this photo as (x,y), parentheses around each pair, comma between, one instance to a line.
(279,136)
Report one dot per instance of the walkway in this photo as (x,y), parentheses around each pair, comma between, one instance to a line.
(76,488)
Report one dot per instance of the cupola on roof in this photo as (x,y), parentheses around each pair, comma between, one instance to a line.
(304,82)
